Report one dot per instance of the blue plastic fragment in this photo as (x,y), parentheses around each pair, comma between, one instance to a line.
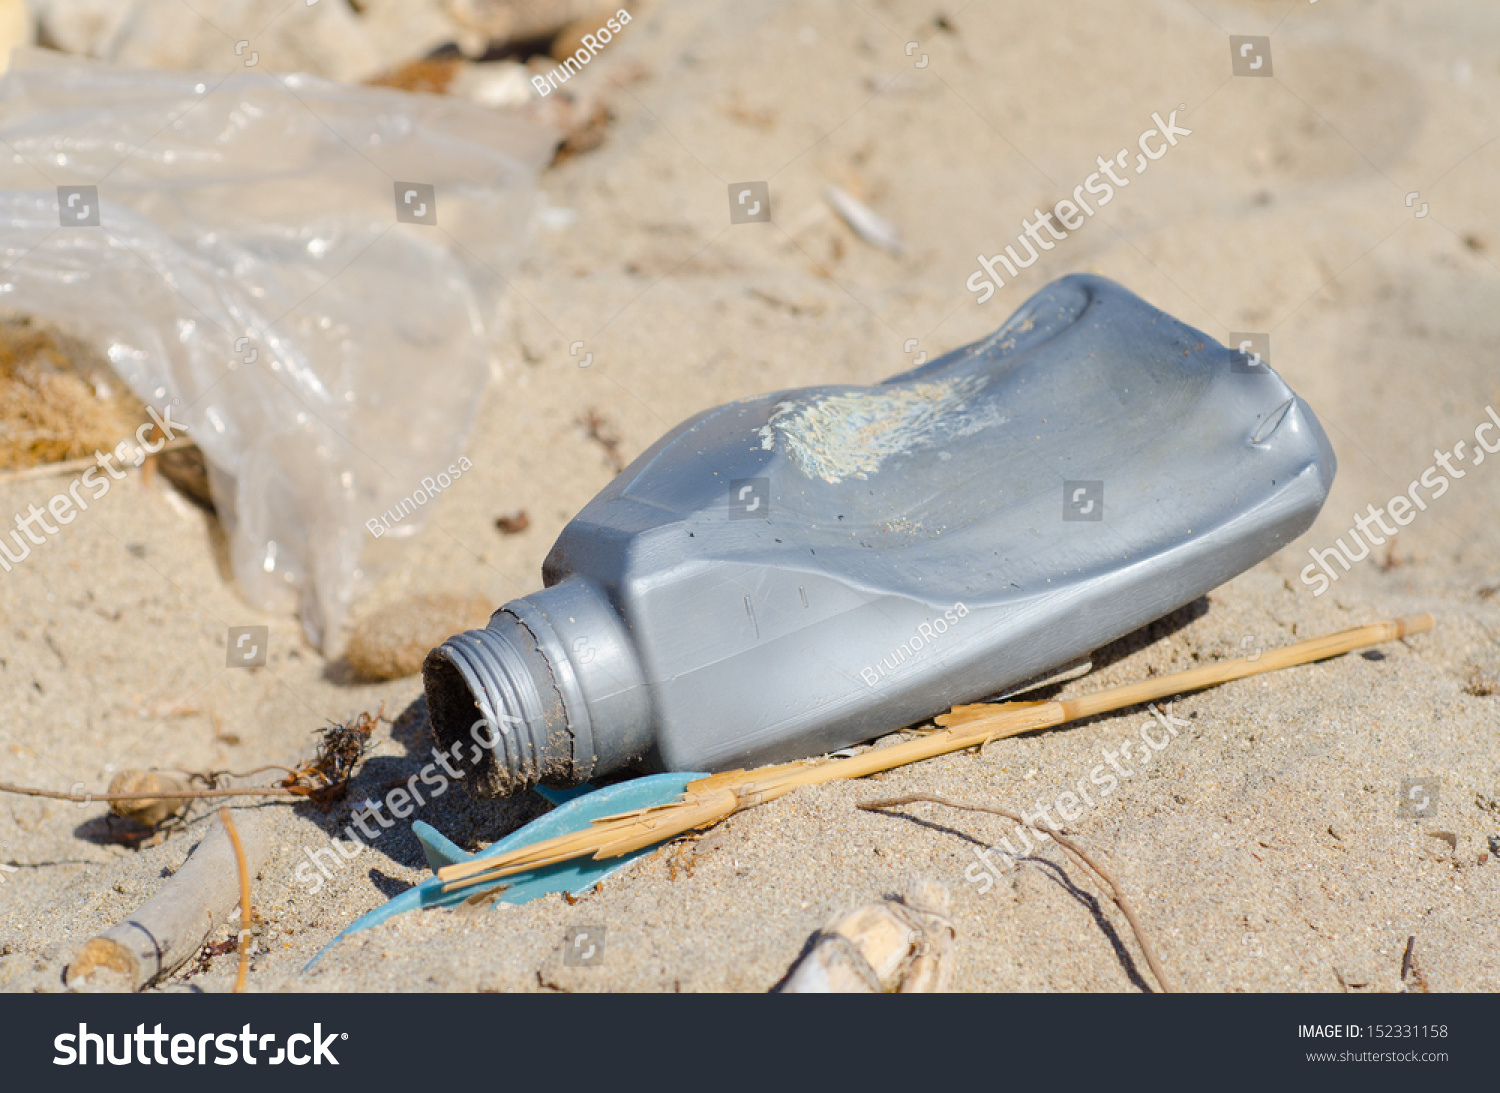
(440,850)
(562,796)
(580,806)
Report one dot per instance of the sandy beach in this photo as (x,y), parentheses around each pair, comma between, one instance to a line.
(1267,845)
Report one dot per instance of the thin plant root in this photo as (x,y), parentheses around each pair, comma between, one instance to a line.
(1113,888)
(243,867)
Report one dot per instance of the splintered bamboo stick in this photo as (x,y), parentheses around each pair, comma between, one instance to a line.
(709,800)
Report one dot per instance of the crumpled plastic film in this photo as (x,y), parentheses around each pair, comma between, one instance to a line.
(249,271)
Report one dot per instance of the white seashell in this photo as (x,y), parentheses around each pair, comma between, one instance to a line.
(897,945)
(863,221)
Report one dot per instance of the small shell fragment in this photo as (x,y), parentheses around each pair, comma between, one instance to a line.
(863,221)
(149,811)
(897,945)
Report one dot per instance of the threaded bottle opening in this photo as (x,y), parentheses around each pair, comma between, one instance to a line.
(495,709)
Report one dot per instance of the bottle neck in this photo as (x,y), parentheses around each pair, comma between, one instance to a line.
(549,691)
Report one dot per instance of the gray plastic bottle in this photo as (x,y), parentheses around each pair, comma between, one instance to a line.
(788,575)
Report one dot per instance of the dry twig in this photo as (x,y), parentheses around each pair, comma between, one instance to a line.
(1411,968)
(322,779)
(154,795)
(169,929)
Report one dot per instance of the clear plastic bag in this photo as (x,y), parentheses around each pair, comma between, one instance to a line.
(249,269)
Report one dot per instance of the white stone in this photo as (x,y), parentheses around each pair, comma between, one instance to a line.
(498,84)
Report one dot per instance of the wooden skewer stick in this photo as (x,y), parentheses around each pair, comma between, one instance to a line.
(709,800)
